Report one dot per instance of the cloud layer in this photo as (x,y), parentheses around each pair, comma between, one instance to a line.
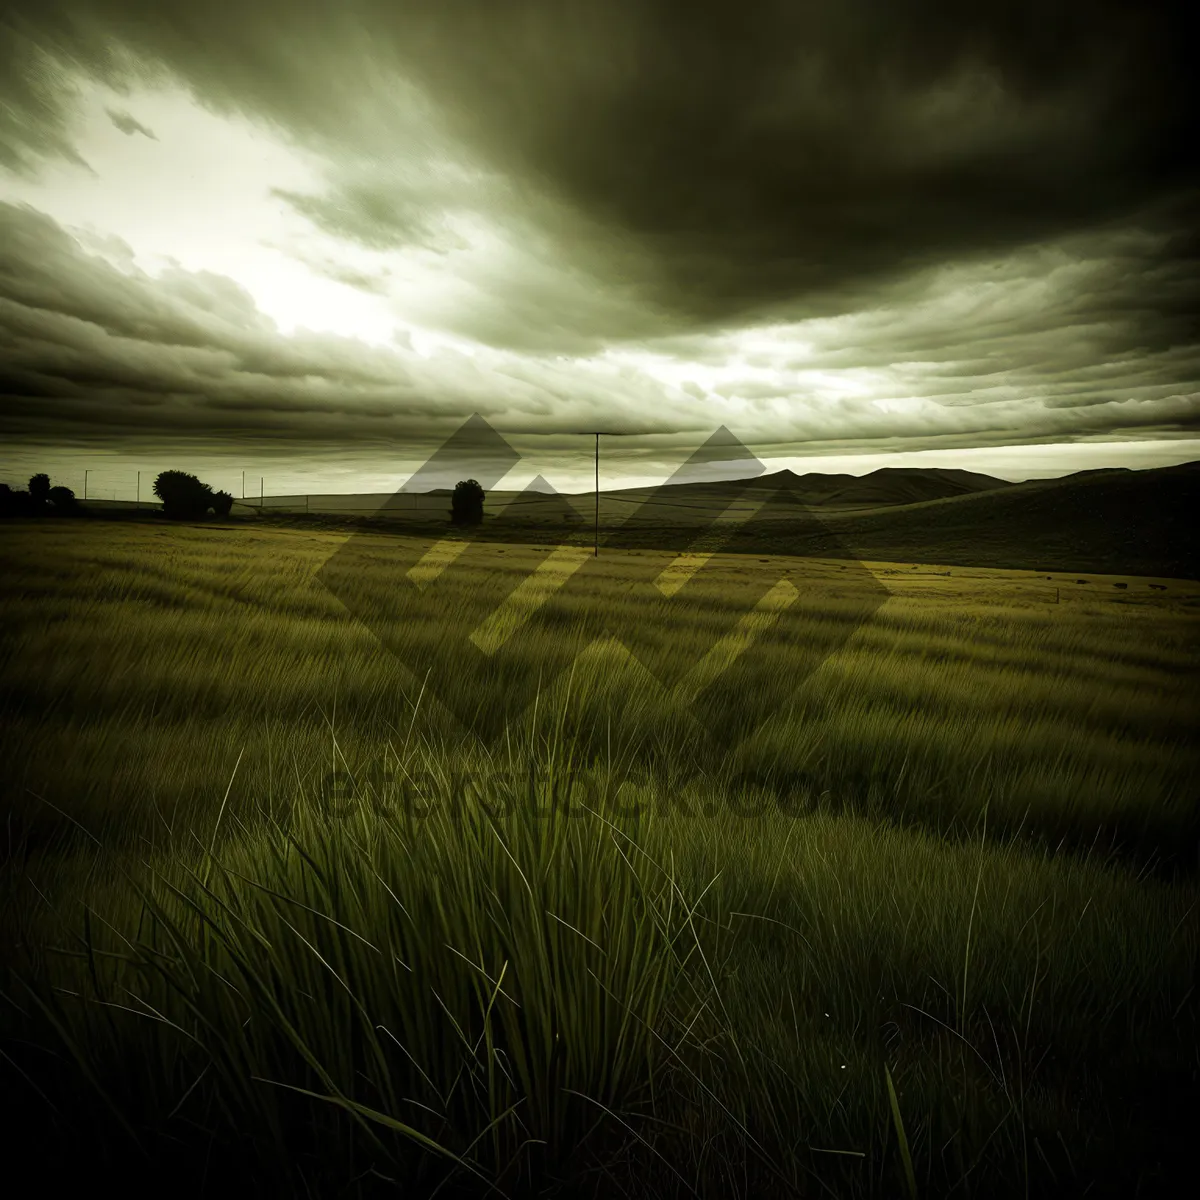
(912,224)
(95,351)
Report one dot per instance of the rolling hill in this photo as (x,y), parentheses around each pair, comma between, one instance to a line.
(911,485)
(1118,521)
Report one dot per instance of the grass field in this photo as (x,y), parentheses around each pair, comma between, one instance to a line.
(929,929)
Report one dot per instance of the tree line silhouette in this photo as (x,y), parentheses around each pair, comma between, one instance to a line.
(40,500)
(185,498)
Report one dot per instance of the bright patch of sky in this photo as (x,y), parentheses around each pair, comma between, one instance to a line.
(199,195)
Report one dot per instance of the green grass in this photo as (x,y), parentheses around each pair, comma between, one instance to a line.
(962,962)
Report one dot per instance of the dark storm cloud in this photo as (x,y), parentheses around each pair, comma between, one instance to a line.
(782,155)
(657,174)
(93,351)
(1097,318)
(763,157)
(129,125)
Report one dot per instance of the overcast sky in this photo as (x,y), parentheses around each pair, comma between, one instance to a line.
(312,239)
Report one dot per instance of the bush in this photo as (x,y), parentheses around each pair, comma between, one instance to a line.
(466,505)
(63,500)
(183,496)
(15,503)
(222,502)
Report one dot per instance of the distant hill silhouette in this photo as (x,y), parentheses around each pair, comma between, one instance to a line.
(1117,521)
(814,487)
(895,485)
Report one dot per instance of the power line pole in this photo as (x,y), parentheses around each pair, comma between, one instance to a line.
(85,475)
(139,491)
(596,434)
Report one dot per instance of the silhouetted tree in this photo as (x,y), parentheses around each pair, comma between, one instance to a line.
(39,488)
(63,500)
(183,496)
(466,505)
(222,502)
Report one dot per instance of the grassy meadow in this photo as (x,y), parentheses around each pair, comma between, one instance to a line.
(271,916)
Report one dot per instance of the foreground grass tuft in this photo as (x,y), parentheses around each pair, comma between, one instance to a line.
(541,1001)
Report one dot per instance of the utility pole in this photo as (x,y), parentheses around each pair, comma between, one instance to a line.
(243,485)
(85,475)
(596,434)
(139,491)
(261,492)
